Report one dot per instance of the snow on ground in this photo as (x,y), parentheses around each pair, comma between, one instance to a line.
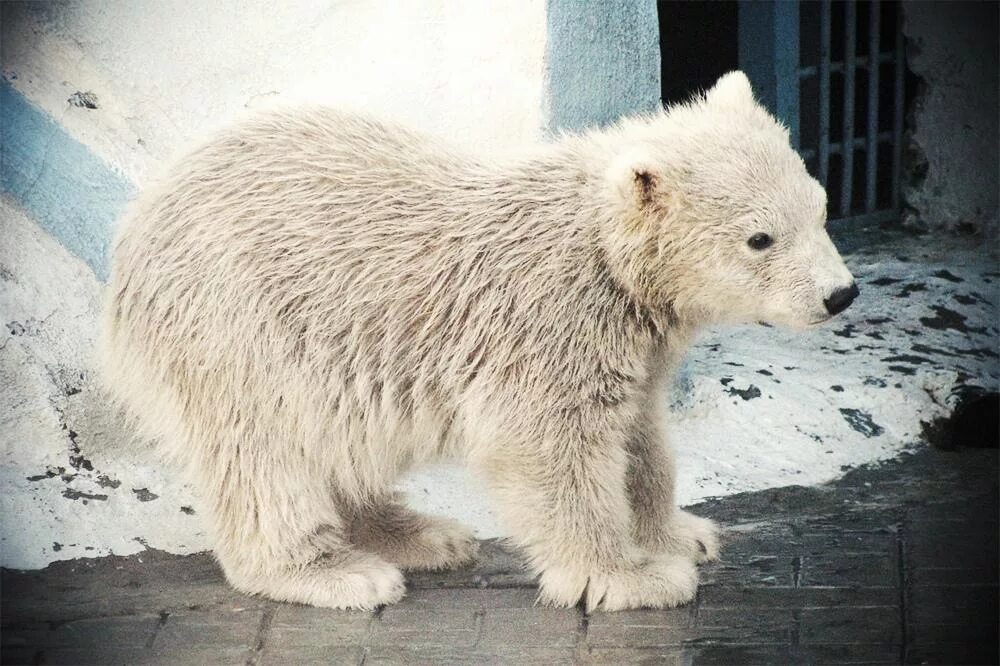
(765,407)
(755,407)
(73,483)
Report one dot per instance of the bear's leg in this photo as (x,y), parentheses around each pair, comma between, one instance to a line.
(563,497)
(409,539)
(658,524)
(278,534)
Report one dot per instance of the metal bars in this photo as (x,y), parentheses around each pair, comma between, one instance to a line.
(897,111)
(820,100)
(836,148)
(860,62)
(824,91)
(871,146)
(843,85)
(847,177)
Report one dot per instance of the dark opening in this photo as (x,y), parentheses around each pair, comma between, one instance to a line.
(974,423)
(698,44)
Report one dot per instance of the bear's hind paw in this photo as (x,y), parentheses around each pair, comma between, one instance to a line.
(693,536)
(423,543)
(362,582)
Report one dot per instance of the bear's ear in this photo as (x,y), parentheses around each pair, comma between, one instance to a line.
(642,188)
(731,90)
(645,183)
(634,179)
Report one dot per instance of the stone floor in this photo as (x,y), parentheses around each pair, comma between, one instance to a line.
(893,564)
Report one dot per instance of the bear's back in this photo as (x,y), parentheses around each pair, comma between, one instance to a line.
(329,239)
(307,198)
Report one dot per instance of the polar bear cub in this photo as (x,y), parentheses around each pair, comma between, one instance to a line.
(312,301)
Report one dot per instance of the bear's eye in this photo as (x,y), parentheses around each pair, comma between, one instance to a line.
(760,241)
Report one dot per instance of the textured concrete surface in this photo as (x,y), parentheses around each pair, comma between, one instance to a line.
(97,95)
(892,564)
(953,48)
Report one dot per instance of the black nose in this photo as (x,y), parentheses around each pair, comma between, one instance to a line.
(840,299)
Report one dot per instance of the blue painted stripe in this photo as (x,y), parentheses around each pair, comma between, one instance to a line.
(69,191)
(602,61)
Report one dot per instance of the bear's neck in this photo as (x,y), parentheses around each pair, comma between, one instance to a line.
(558,190)
(568,179)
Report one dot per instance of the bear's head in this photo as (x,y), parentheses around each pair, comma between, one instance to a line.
(714,214)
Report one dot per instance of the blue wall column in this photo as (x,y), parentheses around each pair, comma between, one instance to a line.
(602,61)
(769,55)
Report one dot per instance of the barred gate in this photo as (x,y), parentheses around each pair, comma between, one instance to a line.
(834,72)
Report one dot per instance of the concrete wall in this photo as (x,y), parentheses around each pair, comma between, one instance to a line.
(131,84)
(953,49)
(164,72)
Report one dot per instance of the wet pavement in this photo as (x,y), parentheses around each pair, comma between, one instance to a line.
(895,563)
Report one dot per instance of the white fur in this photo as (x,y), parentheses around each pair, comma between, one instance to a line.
(313,300)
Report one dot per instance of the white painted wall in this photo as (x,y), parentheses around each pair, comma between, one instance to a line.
(165,72)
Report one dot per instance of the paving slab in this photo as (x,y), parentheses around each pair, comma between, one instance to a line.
(894,563)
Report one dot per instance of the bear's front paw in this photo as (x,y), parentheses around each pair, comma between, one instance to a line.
(661,582)
(690,535)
